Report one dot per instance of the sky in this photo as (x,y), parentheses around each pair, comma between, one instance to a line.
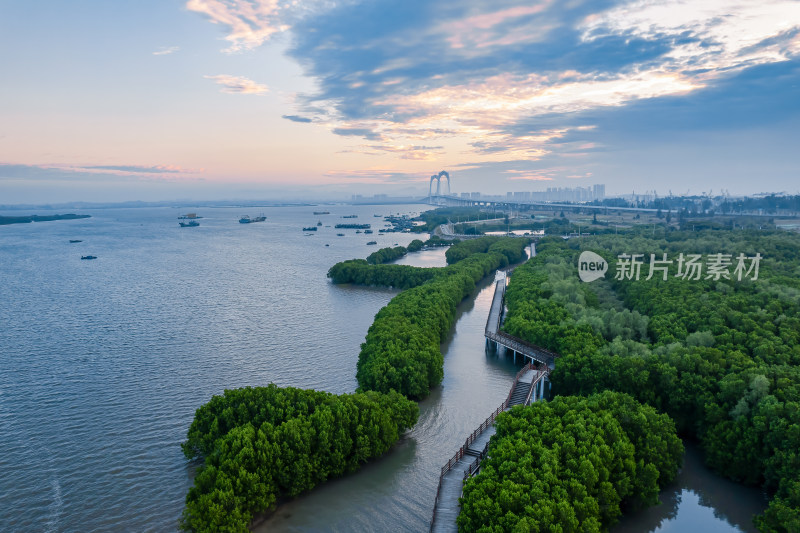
(226,99)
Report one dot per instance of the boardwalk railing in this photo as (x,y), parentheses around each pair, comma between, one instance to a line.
(480,429)
(542,374)
(474,465)
(494,334)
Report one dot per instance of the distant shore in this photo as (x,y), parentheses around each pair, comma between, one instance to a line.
(37,218)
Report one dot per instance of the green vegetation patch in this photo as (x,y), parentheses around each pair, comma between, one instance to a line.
(572,464)
(38,218)
(720,357)
(384,255)
(263,443)
(402,350)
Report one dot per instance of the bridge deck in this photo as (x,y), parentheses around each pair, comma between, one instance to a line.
(529,385)
(494,334)
(466,461)
(452,483)
(496,311)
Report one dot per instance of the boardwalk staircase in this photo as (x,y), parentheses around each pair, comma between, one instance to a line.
(520,393)
(529,385)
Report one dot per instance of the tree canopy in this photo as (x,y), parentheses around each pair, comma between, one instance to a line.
(261,443)
(721,356)
(572,464)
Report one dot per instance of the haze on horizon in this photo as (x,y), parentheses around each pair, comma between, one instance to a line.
(210,99)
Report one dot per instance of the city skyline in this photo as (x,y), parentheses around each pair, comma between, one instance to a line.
(205,99)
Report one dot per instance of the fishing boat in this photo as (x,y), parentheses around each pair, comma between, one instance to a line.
(190,224)
(247,219)
(88,257)
(322,212)
(310,228)
(371,243)
(75,240)
(340,234)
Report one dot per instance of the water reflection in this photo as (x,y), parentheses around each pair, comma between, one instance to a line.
(698,500)
(433,257)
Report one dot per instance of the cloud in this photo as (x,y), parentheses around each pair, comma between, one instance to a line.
(68,172)
(413,153)
(357,132)
(530,85)
(377,175)
(296,118)
(166,50)
(404,72)
(135,169)
(249,22)
(238,84)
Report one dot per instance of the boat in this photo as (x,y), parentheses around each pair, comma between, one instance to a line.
(340,234)
(358,231)
(190,224)
(88,257)
(327,245)
(247,219)
(75,240)
(322,212)
(188,216)
(372,242)
(311,228)
(319,222)
(377,216)
(367,231)
(349,216)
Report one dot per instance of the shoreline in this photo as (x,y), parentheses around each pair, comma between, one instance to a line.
(7,220)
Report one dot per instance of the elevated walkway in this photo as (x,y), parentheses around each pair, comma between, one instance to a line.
(499,338)
(528,386)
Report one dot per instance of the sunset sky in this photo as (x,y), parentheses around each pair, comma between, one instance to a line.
(205,99)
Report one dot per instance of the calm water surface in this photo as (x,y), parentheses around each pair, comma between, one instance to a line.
(104,363)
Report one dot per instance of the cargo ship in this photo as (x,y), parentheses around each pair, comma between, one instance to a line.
(246,219)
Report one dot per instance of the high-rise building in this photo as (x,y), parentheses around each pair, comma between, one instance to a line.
(560,194)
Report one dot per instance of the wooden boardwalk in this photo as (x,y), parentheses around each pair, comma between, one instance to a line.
(494,334)
(528,386)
